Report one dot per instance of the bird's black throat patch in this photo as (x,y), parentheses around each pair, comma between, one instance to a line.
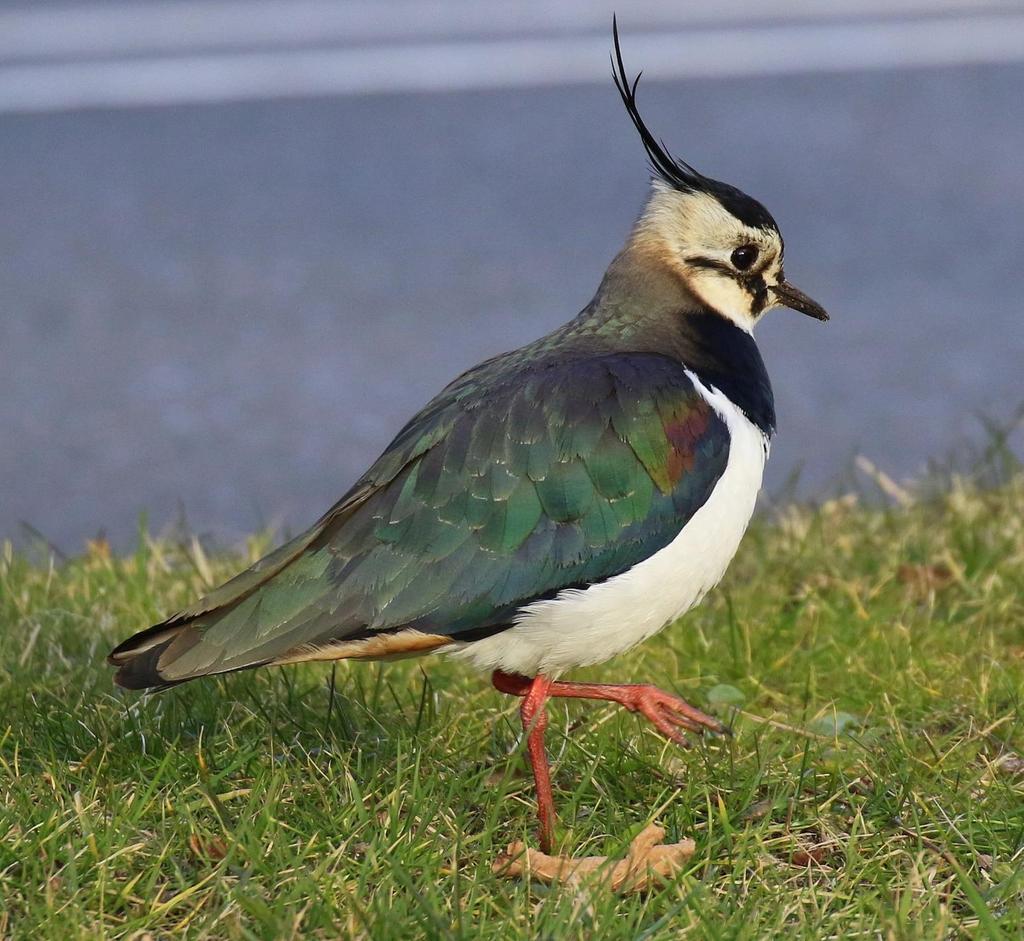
(726,358)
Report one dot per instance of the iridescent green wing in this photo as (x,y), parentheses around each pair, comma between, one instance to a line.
(519,481)
(561,478)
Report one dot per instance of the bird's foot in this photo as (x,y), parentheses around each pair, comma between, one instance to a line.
(667,712)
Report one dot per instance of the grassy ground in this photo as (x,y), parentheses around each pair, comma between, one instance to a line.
(871,662)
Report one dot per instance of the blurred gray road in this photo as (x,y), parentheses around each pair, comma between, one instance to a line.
(231,308)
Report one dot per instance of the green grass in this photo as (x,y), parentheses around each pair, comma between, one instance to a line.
(871,661)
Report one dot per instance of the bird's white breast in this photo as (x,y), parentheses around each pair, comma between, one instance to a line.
(579,627)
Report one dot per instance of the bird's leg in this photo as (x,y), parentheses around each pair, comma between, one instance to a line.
(666,712)
(535,721)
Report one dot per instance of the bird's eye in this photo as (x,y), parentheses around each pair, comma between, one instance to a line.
(743,257)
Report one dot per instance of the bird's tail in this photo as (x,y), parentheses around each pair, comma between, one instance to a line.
(138,659)
(283,609)
(182,647)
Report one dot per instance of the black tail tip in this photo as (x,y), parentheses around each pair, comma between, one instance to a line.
(140,672)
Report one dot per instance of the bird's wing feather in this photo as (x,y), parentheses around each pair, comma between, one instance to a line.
(518,481)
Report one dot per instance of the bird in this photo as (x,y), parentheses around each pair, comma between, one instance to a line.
(553,506)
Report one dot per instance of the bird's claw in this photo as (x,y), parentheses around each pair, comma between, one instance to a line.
(668,714)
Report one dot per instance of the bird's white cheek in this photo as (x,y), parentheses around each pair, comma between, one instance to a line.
(724,295)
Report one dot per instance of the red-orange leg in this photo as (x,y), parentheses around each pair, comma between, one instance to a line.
(667,713)
(535,721)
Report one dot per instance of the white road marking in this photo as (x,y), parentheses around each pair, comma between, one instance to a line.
(169,26)
(440,66)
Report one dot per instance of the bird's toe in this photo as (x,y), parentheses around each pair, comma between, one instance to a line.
(665,710)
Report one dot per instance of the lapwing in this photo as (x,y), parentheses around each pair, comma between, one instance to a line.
(553,506)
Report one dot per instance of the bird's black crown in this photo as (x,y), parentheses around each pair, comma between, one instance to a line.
(678,173)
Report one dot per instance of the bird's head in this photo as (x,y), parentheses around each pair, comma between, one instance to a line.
(723,244)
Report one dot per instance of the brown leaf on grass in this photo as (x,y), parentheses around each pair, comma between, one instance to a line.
(648,862)
(1010,764)
(806,855)
(863,785)
(212,850)
(922,580)
(809,850)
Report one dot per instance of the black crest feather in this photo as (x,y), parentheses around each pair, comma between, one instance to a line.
(675,172)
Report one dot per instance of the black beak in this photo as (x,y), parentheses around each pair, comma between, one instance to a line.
(795,299)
